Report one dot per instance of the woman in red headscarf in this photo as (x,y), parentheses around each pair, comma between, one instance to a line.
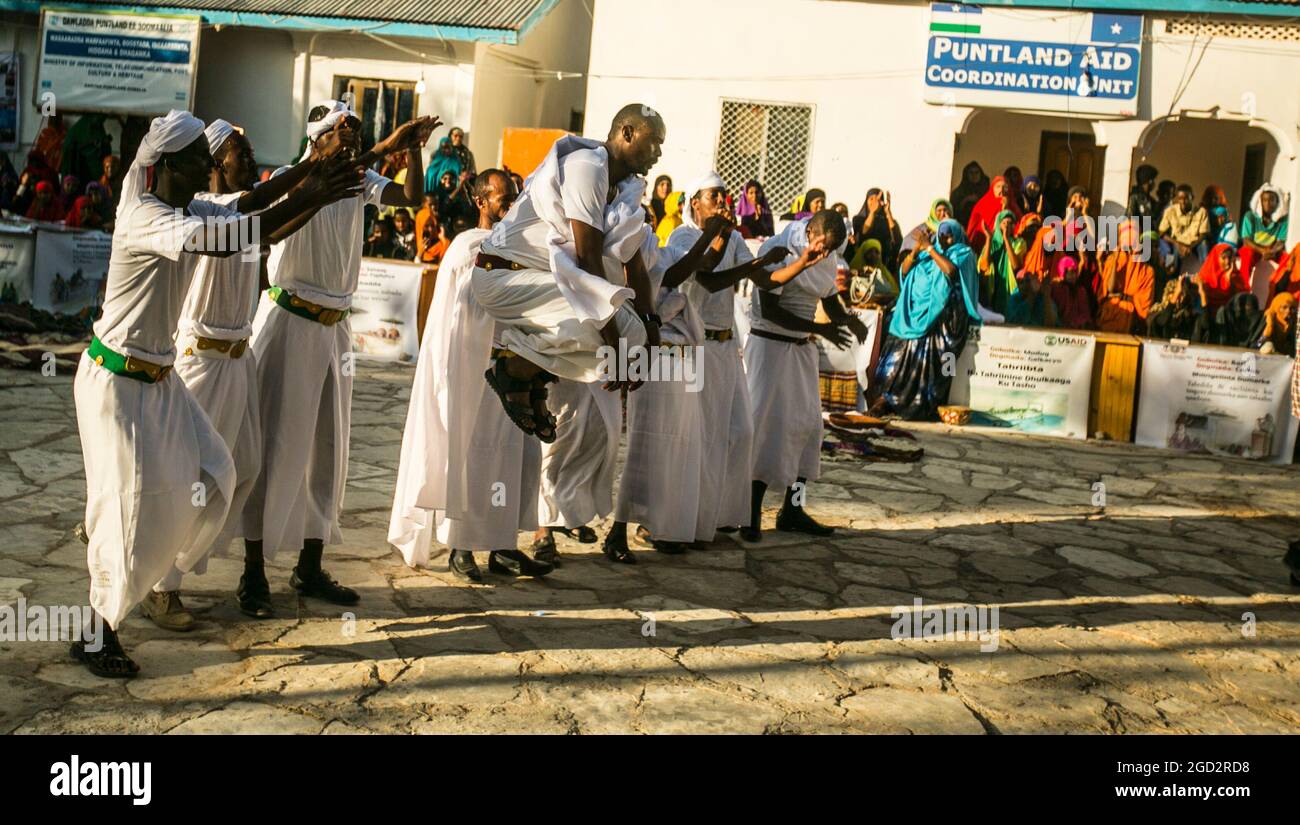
(980,226)
(47,205)
(83,214)
(1286,278)
(1219,277)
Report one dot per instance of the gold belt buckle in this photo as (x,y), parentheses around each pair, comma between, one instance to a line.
(240,347)
(329,317)
(155,372)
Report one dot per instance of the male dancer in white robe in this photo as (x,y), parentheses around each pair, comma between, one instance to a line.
(545,271)
(781,366)
(213,359)
(303,344)
(720,261)
(459,450)
(159,478)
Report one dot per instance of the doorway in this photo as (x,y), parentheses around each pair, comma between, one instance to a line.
(1079,158)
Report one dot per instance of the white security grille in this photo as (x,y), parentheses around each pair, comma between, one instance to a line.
(1232,29)
(767,142)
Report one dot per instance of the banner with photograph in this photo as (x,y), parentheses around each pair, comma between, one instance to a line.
(69,271)
(140,64)
(17,257)
(384,310)
(10,113)
(1029,380)
(1216,400)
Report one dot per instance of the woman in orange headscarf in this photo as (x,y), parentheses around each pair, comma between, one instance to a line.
(1129,283)
(1219,278)
(1286,278)
(1276,331)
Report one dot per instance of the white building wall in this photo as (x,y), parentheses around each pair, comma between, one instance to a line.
(859,64)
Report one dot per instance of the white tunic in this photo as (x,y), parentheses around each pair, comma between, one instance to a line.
(458,444)
(783,376)
(304,376)
(159,478)
(577,484)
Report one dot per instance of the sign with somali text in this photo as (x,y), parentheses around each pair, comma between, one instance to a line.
(1216,400)
(117,62)
(1049,60)
(384,309)
(70,271)
(1029,380)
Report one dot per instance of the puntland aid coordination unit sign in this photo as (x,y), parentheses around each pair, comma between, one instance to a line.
(124,63)
(1047,60)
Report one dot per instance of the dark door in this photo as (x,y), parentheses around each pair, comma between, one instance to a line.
(1252,175)
(1079,158)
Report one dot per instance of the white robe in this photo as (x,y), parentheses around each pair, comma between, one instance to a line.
(459,449)
(577,485)
(783,376)
(551,312)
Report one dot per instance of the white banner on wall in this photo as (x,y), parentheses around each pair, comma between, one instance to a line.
(1216,400)
(384,310)
(17,254)
(1030,380)
(855,357)
(140,64)
(1016,58)
(69,271)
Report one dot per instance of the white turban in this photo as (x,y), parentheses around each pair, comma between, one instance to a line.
(709,180)
(1257,201)
(338,110)
(170,133)
(217,132)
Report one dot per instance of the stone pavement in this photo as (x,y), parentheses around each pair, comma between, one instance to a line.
(1127,619)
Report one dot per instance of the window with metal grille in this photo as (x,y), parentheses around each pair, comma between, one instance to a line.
(1234,29)
(767,142)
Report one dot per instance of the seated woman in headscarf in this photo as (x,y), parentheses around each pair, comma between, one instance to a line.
(998,264)
(83,215)
(981,224)
(876,220)
(1275,333)
(1129,281)
(753,212)
(870,279)
(103,203)
(1056,194)
(1015,183)
(1236,321)
(938,303)
(440,162)
(1073,299)
(1263,230)
(1219,278)
(1222,228)
(1031,195)
(1030,303)
(972,186)
(1286,278)
(807,206)
(940,211)
(47,205)
(672,217)
(663,185)
(1177,315)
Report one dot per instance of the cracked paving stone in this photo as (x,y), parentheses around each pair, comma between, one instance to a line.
(893,710)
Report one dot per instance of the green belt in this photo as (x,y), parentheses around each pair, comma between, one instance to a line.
(306,309)
(126,365)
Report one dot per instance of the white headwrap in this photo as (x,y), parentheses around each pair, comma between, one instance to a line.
(170,133)
(709,180)
(1257,205)
(338,111)
(217,132)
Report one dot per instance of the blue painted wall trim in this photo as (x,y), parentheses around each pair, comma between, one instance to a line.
(1183,6)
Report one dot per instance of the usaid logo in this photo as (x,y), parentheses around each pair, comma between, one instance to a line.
(77,778)
(1065,340)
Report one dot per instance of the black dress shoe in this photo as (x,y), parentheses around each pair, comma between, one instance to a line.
(254,597)
(545,551)
(462,566)
(669,548)
(751,534)
(321,585)
(515,563)
(728,529)
(798,521)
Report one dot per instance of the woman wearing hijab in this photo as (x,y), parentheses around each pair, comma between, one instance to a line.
(47,205)
(83,214)
(1236,322)
(1056,194)
(940,211)
(1286,278)
(754,214)
(981,224)
(1129,283)
(440,162)
(663,185)
(1222,229)
(672,217)
(810,204)
(1015,182)
(871,280)
(1029,303)
(1263,230)
(1177,316)
(876,220)
(998,264)
(1275,333)
(1031,195)
(938,304)
(973,184)
(1219,278)
(1073,299)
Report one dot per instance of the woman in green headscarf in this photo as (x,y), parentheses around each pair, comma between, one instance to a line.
(871,279)
(998,264)
(940,211)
